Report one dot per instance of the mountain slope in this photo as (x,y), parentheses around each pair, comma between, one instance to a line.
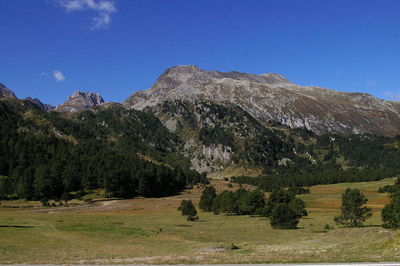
(219,135)
(43,106)
(6,92)
(271,97)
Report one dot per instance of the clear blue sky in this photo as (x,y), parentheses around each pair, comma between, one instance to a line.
(121,46)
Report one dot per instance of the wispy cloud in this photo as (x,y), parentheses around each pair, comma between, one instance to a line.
(58,75)
(103,8)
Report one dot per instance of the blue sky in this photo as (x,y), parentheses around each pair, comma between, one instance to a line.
(50,48)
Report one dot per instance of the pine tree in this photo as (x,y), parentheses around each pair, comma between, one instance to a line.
(353,211)
(207,198)
(391,212)
(187,209)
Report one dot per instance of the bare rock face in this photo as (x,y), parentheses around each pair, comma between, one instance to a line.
(271,97)
(220,135)
(6,92)
(43,106)
(80,101)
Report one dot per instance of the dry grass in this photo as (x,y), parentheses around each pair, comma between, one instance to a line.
(152,231)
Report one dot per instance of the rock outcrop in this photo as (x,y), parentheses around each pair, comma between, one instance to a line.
(80,101)
(6,92)
(271,97)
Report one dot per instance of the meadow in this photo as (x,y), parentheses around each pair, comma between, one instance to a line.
(151,230)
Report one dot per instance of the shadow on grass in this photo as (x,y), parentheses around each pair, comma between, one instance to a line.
(183,225)
(372,225)
(16,226)
(363,226)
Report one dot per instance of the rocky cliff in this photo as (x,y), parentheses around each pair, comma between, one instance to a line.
(271,97)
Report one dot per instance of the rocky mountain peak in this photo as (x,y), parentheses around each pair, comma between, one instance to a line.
(271,97)
(189,74)
(80,101)
(6,92)
(95,98)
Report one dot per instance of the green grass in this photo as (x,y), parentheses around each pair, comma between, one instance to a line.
(152,231)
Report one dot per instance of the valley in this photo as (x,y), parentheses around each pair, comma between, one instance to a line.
(151,231)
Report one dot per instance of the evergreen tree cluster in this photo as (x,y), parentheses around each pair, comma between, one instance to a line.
(282,206)
(274,181)
(43,155)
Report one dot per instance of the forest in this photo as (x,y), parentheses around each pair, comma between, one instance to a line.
(43,155)
(130,153)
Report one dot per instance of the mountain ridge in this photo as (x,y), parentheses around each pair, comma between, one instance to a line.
(268,97)
(271,97)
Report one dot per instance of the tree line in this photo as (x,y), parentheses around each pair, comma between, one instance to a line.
(282,206)
(274,181)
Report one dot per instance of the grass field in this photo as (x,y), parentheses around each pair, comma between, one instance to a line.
(152,231)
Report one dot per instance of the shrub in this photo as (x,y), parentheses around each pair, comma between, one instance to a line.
(298,190)
(187,209)
(45,202)
(328,227)
(65,197)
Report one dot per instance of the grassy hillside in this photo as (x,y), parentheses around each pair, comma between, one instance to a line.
(150,230)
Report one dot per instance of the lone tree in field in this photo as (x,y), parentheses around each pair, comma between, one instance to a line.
(353,211)
(187,209)
(207,198)
(391,212)
(284,209)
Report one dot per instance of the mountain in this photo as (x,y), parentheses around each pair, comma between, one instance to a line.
(271,97)
(43,106)
(161,149)
(80,101)
(218,136)
(6,92)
